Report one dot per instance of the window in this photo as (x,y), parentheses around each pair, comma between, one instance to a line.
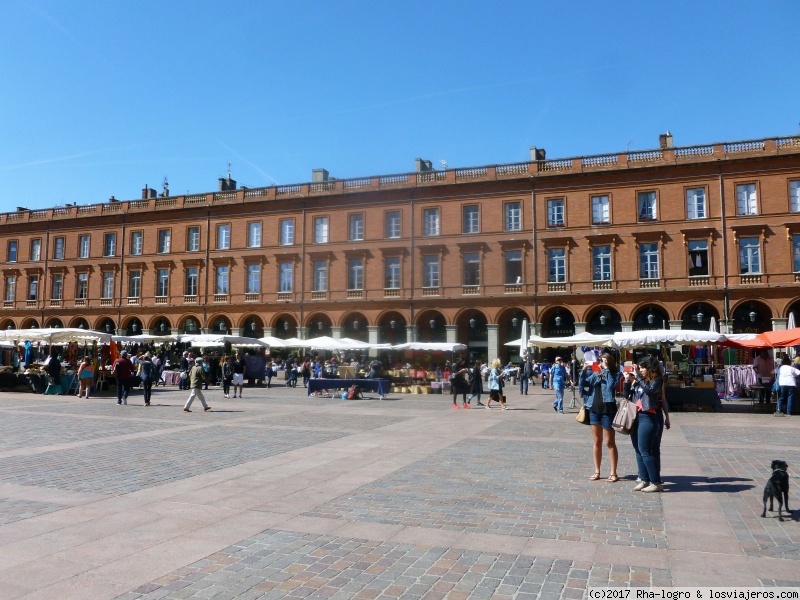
(795,254)
(57,291)
(134,284)
(253,279)
(58,248)
(794,196)
(193,239)
(12,251)
(355,274)
(192,277)
(746,201)
(162,283)
(82,291)
(109,244)
(223,237)
(513,266)
(356,228)
(221,280)
(696,203)
(137,241)
(749,256)
(393,227)
(472,268)
(698,258)
(601,263)
(555,212)
(647,206)
(84,244)
(36,249)
(10,289)
(601,210)
(320,230)
(430,221)
(287,232)
(254,235)
(164,241)
(556,265)
(648,261)
(286,277)
(392,273)
(320,276)
(470,222)
(430,271)
(513,216)
(108,284)
(33,287)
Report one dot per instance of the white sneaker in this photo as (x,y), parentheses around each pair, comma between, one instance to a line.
(641,485)
(488,407)
(654,487)
(505,408)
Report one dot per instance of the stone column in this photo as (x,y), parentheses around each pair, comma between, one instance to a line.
(372,331)
(580,327)
(267,331)
(302,333)
(452,333)
(779,324)
(411,333)
(236,331)
(536,328)
(627,325)
(675,324)
(493,340)
(336,332)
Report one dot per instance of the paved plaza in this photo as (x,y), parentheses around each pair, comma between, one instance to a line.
(282,496)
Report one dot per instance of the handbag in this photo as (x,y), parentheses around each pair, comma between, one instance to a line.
(626,415)
(582,416)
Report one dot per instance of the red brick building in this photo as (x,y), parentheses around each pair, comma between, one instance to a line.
(667,237)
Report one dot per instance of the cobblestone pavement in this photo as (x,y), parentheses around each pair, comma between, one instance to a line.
(278,495)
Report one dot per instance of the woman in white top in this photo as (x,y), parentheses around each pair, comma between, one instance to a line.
(787,381)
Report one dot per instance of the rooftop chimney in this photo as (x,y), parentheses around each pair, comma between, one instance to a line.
(423,166)
(21,209)
(665,140)
(148,192)
(537,154)
(319,175)
(226,184)
(113,199)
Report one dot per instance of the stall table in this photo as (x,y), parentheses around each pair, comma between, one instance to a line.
(382,386)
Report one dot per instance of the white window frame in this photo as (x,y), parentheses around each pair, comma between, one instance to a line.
(750,256)
(13,256)
(33,287)
(36,249)
(355,274)
(512,216)
(164,241)
(647,206)
(82,286)
(110,244)
(10,292)
(556,265)
(430,222)
(355,227)
(320,273)
(512,257)
(84,246)
(321,230)
(392,273)
(556,212)
(696,207)
(224,236)
(162,283)
(746,199)
(134,283)
(222,277)
(431,271)
(601,209)
(287,232)
(649,267)
(697,246)
(193,239)
(286,277)
(794,196)
(192,281)
(393,224)
(601,263)
(108,285)
(796,253)
(471,266)
(470,218)
(59,243)
(253,278)
(254,234)
(137,243)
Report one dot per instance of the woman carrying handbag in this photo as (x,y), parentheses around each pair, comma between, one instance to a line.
(602,404)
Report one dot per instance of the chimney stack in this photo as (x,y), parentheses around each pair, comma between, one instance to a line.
(148,192)
(319,175)
(423,166)
(537,154)
(665,141)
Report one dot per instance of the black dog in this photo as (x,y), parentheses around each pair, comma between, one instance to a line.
(777,488)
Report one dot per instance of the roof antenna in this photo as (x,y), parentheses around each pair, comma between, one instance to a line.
(229,170)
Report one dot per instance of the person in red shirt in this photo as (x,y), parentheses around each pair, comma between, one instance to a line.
(123,370)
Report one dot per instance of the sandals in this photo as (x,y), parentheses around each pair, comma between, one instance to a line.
(595,477)
(612,479)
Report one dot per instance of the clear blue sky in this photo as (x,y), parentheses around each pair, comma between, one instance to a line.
(101,98)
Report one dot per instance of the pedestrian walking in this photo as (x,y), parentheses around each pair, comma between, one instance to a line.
(787,380)
(269,374)
(525,374)
(238,374)
(123,371)
(147,372)
(601,402)
(184,376)
(476,384)
(558,383)
(196,378)
(227,376)
(496,385)
(458,383)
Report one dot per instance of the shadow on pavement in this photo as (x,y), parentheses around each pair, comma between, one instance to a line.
(726,485)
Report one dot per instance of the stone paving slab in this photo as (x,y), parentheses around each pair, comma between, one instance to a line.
(14,509)
(773,434)
(514,488)
(282,564)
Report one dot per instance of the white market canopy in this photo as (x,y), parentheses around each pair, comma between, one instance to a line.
(55,335)
(273,342)
(579,339)
(689,337)
(145,338)
(213,340)
(430,346)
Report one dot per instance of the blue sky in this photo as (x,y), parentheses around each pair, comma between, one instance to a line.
(99,99)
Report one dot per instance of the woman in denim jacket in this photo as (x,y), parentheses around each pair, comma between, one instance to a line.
(496,385)
(602,406)
(651,417)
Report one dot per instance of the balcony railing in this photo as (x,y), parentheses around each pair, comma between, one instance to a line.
(319,295)
(430,291)
(284,296)
(81,302)
(8,304)
(513,288)
(106,301)
(55,302)
(699,281)
(470,290)
(355,294)
(557,287)
(162,300)
(750,279)
(133,301)
(251,297)
(602,285)
(391,293)
(649,283)
(190,299)
(220,298)
(30,303)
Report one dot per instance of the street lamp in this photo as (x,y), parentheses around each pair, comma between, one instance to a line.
(286,325)
(515,321)
(558,319)
(319,325)
(651,318)
(472,323)
(753,314)
(392,324)
(700,316)
(433,324)
(355,325)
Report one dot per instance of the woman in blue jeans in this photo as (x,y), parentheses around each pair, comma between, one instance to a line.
(602,404)
(558,381)
(651,417)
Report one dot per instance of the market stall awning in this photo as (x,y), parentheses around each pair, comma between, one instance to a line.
(55,335)
(637,339)
(579,339)
(273,342)
(145,338)
(212,340)
(430,346)
(769,339)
